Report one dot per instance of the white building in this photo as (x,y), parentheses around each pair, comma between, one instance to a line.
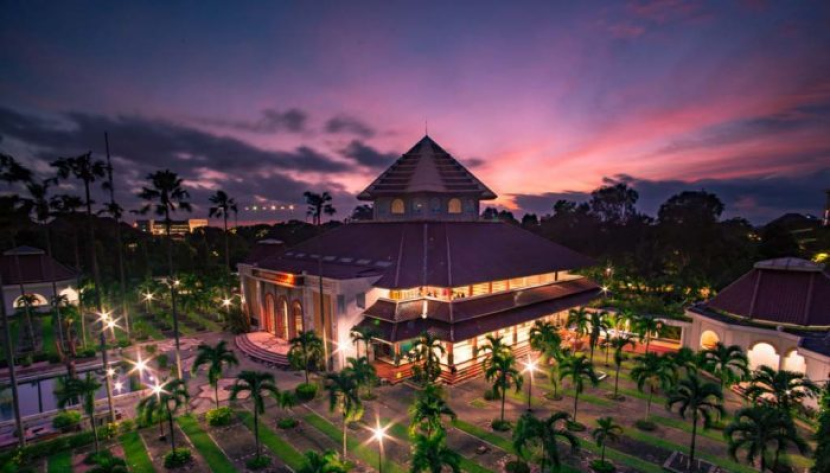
(27,270)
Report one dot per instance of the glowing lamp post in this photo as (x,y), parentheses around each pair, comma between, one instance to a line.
(530,368)
(105,321)
(148,299)
(378,434)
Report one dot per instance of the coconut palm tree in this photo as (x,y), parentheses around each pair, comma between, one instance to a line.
(87,170)
(547,433)
(698,398)
(223,205)
(69,207)
(579,369)
(26,304)
(318,204)
(685,360)
(619,343)
(647,327)
(493,345)
(728,363)
(364,372)
(579,320)
(756,429)
(426,412)
(598,325)
(84,390)
(430,453)
(343,396)
(259,385)
(785,389)
(427,351)
(164,196)
(327,462)
(117,212)
(500,369)
(364,335)
(217,358)
(545,338)
(306,352)
(654,371)
(606,431)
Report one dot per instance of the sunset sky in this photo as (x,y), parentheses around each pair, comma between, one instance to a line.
(541,100)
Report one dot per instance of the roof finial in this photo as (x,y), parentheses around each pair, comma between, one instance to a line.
(426,127)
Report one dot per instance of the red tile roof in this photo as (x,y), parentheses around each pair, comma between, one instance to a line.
(786,291)
(412,254)
(30,266)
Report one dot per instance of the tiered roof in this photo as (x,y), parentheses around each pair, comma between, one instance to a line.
(27,265)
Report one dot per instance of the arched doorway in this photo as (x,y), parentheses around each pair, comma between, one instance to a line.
(763,354)
(282,319)
(297,309)
(268,323)
(794,362)
(708,339)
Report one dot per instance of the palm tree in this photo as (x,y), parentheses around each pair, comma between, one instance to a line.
(427,350)
(579,369)
(285,400)
(165,195)
(785,388)
(222,206)
(686,359)
(87,170)
(654,371)
(598,325)
(755,428)
(500,369)
(217,358)
(26,303)
(580,321)
(306,352)
(426,412)
(69,207)
(364,373)
(343,396)
(117,212)
(431,453)
(328,462)
(546,432)
(318,204)
(83,390)
(259,385)
(728,363)
(545,339)
(619,343)
(363,334)
(493,345)
(606,431)
(647,327)
(701,399)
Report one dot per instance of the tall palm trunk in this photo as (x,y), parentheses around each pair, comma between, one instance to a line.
(167,224)
(694,440)
(119,242)
(256,430)
(227,244)
(576,404)
(170,424)
(94,427)
(7,339)
(617,382)
(96,273)
(345,425)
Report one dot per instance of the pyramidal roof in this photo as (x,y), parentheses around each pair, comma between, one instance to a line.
(426,168)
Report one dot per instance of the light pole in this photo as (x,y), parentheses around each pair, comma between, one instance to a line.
(227,303)
(105,361)
(148,299)
(530,368)
(378,434)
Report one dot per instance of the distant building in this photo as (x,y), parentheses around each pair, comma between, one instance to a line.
(178,228)
(827,209)
(27,270)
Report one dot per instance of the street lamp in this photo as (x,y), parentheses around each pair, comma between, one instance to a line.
(104,316)
(378,434)
(148,299)
(530,368)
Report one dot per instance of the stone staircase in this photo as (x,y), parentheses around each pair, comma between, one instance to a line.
(260,354)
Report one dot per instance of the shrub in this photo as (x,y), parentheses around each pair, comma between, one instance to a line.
(517,466)
(258,463)
(66,421)
(151,349)
(126,426)
(47,448)
(124,343)
(490,395)
(162,360)
(500,425)
(602,466)
(105,462)
(177,458)
(287,423)
(219,417)
(646,425)
(26,360)
(86,353)
(54,358)
(575,426)
(306,391)
(40,357)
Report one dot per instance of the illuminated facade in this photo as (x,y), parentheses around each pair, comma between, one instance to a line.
(178,228)
(27,270)
(426,263)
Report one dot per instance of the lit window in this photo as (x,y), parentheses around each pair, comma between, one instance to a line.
(454,206)
(398,207)
(360,299)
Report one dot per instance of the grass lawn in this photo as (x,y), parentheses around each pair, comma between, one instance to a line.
(213,455)
(60,462)
(136,454)
(401,432)
(720,461)
(279,447)
(365,453)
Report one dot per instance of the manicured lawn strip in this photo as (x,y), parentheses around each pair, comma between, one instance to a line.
(60,462)
(136,454)
(659,442)
(623,458)
(213,455)
(472,467)
(368,455)
(282,449)
(593,399)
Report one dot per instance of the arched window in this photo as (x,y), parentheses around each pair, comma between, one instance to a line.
(709,339)
(298,316)
(454,206)
(795,362)
(36,300)
(763,354)
(398,207)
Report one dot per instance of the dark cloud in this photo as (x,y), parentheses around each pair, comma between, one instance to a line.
(367,156)
(758,199)
(271,120)
(350,125)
